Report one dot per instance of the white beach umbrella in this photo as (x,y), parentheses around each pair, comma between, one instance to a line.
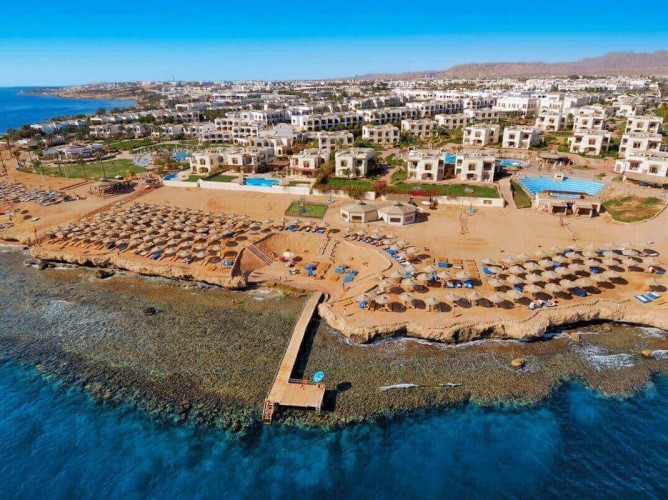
(553,288)
(473,296)
(463,275)
(533,289)
(515,294)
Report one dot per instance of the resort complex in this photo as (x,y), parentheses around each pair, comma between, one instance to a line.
(403,207)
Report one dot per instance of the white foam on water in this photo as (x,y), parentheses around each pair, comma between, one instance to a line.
(649,331)
(660,354)
(600,360)
(398,386)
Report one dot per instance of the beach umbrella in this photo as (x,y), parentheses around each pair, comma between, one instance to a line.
(509,260)
(463,275)
(590,254)
(409,268)
(576,267)
(215,249)
(516,270)
(559,259)
(364,297)
(383,284)
(522,256)
(567,284)
(653,282)
(591,263)
(397,275)
(444,275)
(556,249)
(185,254)
(629,262)
(395,248)
(533,289)
(430,268)
(599,278)
(496,270)
(624,246)
(382,300)
(550,275)
(546,263)
(406,298)
(201,255)
(553,288)
(611,274)
(533,278)
(391,236)
(515,280)
(409,282)
(289,255)
(515,294)
(170,251)
(651,261)
(402,243)
(386,241)
(496,298)
(452,296)
(531,266)
(411,250)
(495,283)
(423,277)
(609,261)
(583,282)
(562,271)
(575,247)
(541,254)
(487,261)
(431,302)
(473,296)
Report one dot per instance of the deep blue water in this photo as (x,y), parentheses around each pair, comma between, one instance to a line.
(19,109)
(59,444)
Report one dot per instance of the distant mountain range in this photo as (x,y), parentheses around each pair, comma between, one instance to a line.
(612,63)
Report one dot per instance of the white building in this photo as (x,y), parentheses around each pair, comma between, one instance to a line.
(335,140)
(481,114)
(422,129)
(204,163)
(647,168)
(477,167)
(590,122)
(106,131)
(381,134)
(589,142)
(481,135)
(520,137)
(551,122)
(354,162)
(307,162)
(452,121)
(425,165)
(524,105)
(249,159)
(636,142)
(390,115)
(326,121)
(644,125)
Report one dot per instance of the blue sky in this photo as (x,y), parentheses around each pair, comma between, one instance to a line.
(60,43)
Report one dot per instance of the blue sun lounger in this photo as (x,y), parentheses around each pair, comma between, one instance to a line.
(487,271)
(643,299)
(579,292)
(518,287)
(652,295)
(468,284)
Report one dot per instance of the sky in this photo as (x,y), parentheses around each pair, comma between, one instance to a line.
(74,42)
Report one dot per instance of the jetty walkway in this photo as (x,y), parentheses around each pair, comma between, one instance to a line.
(287,391)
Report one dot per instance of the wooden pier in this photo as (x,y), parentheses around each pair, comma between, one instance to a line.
(287,391)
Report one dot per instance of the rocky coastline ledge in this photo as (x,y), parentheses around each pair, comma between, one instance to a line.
(451,331)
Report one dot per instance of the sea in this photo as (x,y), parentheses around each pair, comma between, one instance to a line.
(56,442)
(17,108)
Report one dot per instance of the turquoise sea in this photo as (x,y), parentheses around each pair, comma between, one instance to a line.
(17,109)
(59,444)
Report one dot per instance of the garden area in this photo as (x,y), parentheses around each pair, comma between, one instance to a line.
(95,170)
(453,190)
(520,196)
(297,209)
(633,208)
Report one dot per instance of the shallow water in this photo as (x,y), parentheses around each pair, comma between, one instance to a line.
(59,444)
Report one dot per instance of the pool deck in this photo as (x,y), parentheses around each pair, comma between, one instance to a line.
(287,391)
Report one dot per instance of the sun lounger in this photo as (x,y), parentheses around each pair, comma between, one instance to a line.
(468,284)
(518,287)
(643,299)
(487,271)
(595,270)
(363,304)
(660,271)
(449,284)
(652,295)
(579,292)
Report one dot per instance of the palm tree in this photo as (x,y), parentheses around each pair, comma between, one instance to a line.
(83,167)
(99,155)
(17,155)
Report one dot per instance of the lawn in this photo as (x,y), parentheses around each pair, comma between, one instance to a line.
(299,183)
(341,183)
(520,196)
(310,210)
(222,178)
(112,168)
(130,144)
(633,208)
(454,190)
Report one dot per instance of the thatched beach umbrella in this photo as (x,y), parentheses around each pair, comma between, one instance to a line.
(432,302)
(516,270)
(487,261)
(599,278)
(452,296)
(560,259)
(495,283)
(522,256)
(583,282)
(653,282)
(575,247)
(541,254)
(567,284)
(463,275)
(473,296)
(515,295)
(591,263)
(384,284)
(397,275)
(444,275)
(430,268)
(409,282)
(407,299)
(509,260)
(533,289)
(496,298)
(364,297)
(553,288)
(549,275)
(495,270)
(515,280)
(575,267)
(562,271)
(531,266)
(423,277)
(533,278)
(546,263)
(555,249)
(611,274)
(382,300)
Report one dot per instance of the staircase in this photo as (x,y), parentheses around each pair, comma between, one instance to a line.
(260,254)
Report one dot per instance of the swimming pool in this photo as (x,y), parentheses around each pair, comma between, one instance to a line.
(537,184)
(508,162)
(171,177)
(450,158)
(260,181)
(182,156)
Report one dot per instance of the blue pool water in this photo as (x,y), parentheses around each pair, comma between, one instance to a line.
(182,156)
(537,184)
(171,177)
(59,444)
(450,158)
(508,162)
(260,181)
